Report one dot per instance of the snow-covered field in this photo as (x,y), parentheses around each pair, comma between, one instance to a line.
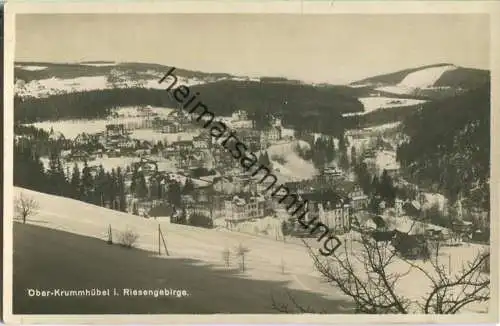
(421,79)
(295,167)
(107,163)
(72,128)
(103,64)
(264,260)
(378,103)
(153,136)
(133,111)
(31,68)
(51,86)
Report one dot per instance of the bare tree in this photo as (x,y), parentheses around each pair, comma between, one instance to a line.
(283,267)
(226,257)
(25,206)
(241,252)
(370,275)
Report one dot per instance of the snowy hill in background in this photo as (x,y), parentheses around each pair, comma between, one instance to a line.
(372,101)
(439,80)
(46,79)
(420,79)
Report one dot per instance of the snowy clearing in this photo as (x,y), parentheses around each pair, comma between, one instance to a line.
(107,163)
(31,68)
(294,168)
(103,64)
(153,136)
(134,111)
(378,103)
(72,128)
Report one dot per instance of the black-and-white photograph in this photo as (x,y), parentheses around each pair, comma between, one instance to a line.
(205,163)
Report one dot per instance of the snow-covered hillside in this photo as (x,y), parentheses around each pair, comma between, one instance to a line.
(425,78)
(55,79)
(290,165)
(53,86)
(206,245)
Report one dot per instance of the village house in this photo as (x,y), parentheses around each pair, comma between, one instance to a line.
(169,152)
(200,142)
(331,174)
(127,144)
(115,130)
(239,115)
(82,139)
(271,134)
(251,138)
(358,199)
(113,152)
(193,159)
(170,128)
(146,111)
(145,165)
(183,145)
(80,155)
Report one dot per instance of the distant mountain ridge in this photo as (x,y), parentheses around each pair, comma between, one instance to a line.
(318,108)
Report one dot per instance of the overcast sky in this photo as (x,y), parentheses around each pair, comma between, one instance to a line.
(317,48)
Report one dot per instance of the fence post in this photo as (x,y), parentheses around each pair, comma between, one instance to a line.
(110,235)
(159,240)
(164,242)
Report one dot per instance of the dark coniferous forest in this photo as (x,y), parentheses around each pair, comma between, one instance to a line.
(449,146)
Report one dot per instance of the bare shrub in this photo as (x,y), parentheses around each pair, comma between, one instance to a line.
(128,238)
(25,206)
(368,276)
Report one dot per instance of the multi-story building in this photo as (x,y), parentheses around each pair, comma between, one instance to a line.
(358,199)
(239,115)
(337,217)
(239,209)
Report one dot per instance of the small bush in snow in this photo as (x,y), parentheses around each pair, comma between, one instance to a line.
(128,238)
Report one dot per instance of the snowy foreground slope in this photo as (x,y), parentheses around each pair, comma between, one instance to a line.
(264,260)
